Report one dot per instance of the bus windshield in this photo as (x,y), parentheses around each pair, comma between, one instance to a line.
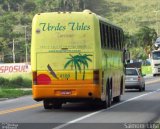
(156,55)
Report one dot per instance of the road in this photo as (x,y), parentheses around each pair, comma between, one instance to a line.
(135,107)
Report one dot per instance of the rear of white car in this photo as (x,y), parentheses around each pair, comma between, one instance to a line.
(134,79)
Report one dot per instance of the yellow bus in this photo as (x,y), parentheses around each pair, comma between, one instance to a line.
(76,56)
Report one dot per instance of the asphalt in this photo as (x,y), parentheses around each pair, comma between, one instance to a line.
(135,106)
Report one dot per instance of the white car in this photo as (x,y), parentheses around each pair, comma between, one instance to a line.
(134,79)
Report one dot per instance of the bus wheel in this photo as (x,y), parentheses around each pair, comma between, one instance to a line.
(57,105)
(47,104)
(109,91)
(117,99)
(140,89)
(121,86)
(105,103)
(144,87)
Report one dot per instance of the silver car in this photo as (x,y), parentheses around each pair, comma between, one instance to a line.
(134,79)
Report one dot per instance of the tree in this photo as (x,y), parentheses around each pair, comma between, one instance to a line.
(6,5)
(146,37)
(29,6)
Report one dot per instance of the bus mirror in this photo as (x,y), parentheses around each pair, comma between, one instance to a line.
(126,56)
(123,58)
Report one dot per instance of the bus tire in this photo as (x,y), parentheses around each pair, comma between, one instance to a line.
(121,86)
(140,89)
(47,104)
(144,87)
(117,99)
(109,95)
(105,103)
(56,105)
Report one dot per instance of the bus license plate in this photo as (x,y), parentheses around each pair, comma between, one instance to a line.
(66,92)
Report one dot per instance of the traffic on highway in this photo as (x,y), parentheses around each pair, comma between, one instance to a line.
(134,107)
(79,64)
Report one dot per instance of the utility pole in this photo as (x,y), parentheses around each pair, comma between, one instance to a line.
(13,53)
(157,11)
(25,27)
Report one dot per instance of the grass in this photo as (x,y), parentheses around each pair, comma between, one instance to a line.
(13,93)
(13,75)
(15,80)
(10,85)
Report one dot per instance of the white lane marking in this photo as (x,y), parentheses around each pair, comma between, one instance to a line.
(94,113)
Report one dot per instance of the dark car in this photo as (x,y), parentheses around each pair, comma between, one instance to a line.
(134,79)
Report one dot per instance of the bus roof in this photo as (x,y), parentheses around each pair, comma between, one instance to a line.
(86,11)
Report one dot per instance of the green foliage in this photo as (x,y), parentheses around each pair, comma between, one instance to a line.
(24,20)
(13,93)
(4,82)
(29,6)
(16,81)
(131,15)
(16,15)
(146,36)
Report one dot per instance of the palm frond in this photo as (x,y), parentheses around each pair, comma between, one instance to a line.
(88,59)
(76,63)
(86,63)
(66,65)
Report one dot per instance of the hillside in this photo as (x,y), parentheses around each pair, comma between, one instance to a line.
(132,14)
(16,17)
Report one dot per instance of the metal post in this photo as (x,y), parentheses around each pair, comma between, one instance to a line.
(13,53)
(26,44)
(157,20)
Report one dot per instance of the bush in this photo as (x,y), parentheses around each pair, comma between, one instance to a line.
(3,82)
(16,82)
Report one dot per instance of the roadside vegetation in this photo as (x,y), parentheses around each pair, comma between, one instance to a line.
(15,85)
(15,80)
(137,18)
(13,93)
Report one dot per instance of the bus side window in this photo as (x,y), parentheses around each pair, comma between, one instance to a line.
(104,36)
(111,41)
(120,40)
(116,41)
(109,37)
(107,34)
(115,35)
(113,38)
(112,33)
(101,34)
